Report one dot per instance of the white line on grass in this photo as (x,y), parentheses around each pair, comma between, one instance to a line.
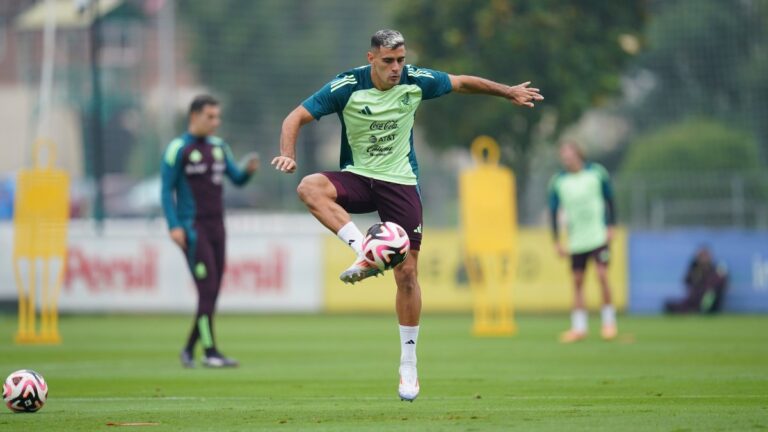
(246,398)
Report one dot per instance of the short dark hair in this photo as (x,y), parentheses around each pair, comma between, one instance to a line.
(386,38)
(200,101)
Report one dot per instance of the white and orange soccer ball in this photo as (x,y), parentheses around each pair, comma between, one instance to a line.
(386,245)
(25,391)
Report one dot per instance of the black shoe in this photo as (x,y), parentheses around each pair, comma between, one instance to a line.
(219,361)
(187,360)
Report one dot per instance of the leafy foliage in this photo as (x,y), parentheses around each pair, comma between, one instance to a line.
(265,58)
(571,52)
(707,57)
(694,170)
(694,145)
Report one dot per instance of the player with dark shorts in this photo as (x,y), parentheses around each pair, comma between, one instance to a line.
(393,202)
(583,191)
(376,104)
(601,255)
(193,168)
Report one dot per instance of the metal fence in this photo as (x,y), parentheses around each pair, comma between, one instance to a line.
(155,55)
(694,199)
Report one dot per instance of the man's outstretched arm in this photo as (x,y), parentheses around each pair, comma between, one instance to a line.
(520,94)
(286,162)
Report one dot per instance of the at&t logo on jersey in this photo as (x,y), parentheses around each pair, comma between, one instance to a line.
(378,148)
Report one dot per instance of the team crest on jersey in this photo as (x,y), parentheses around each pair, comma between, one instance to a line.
(218,153)
(195,166)
(405,103)
(195,156)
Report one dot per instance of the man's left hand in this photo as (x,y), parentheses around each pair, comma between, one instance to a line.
(523,95)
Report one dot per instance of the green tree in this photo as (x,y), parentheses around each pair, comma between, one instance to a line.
(692,146)
(262,58)
(265,57)
(569,50)
(694,161)
(706,57)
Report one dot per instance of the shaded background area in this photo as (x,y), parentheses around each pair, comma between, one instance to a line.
(669,95)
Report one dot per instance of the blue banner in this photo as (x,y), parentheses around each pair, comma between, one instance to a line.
(659,260)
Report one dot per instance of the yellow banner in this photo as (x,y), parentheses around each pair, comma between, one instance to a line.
(543,278)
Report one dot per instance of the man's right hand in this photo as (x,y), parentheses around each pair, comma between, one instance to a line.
(560,250)
(179,237)
(284,163)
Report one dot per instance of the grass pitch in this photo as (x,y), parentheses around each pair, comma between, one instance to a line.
(322,372)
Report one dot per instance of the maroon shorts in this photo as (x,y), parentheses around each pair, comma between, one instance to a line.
(394,202)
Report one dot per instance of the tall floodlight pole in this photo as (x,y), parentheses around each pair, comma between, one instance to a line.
(166,30)
(97,135)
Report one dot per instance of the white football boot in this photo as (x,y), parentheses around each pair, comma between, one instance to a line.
(359,270)
(409,383)
(218,360)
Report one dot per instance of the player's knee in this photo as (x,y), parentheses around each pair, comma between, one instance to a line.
(406,277)
(306,189)
(310,188)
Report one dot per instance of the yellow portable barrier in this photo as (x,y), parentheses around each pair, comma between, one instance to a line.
(41,217)
(489,225)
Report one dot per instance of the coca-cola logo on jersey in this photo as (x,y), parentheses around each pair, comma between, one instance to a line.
(384,125)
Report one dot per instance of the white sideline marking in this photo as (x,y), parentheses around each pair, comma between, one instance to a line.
(565,398)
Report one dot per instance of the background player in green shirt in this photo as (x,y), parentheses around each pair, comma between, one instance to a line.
(376,104)
(583,191)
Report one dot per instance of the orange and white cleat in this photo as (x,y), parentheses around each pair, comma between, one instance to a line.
(408,389)
(571,336)
(359,270)
(609,332)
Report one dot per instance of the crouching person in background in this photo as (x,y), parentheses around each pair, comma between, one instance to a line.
(705,285)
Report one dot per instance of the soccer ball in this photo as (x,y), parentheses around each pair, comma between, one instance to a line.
(386,245)
(25,391)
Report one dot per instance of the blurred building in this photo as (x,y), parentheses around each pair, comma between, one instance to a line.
(263,57)
(142,88)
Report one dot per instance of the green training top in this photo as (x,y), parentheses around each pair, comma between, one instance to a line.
(586,197)
(376,125)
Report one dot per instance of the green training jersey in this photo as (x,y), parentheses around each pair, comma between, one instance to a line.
(586,198)
(376,125)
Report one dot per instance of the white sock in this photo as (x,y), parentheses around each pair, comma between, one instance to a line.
(409,337)
(352,236)
(608,314)
(579,320)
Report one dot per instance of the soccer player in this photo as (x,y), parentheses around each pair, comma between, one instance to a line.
(583,191)
(376,104)
(193,167)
